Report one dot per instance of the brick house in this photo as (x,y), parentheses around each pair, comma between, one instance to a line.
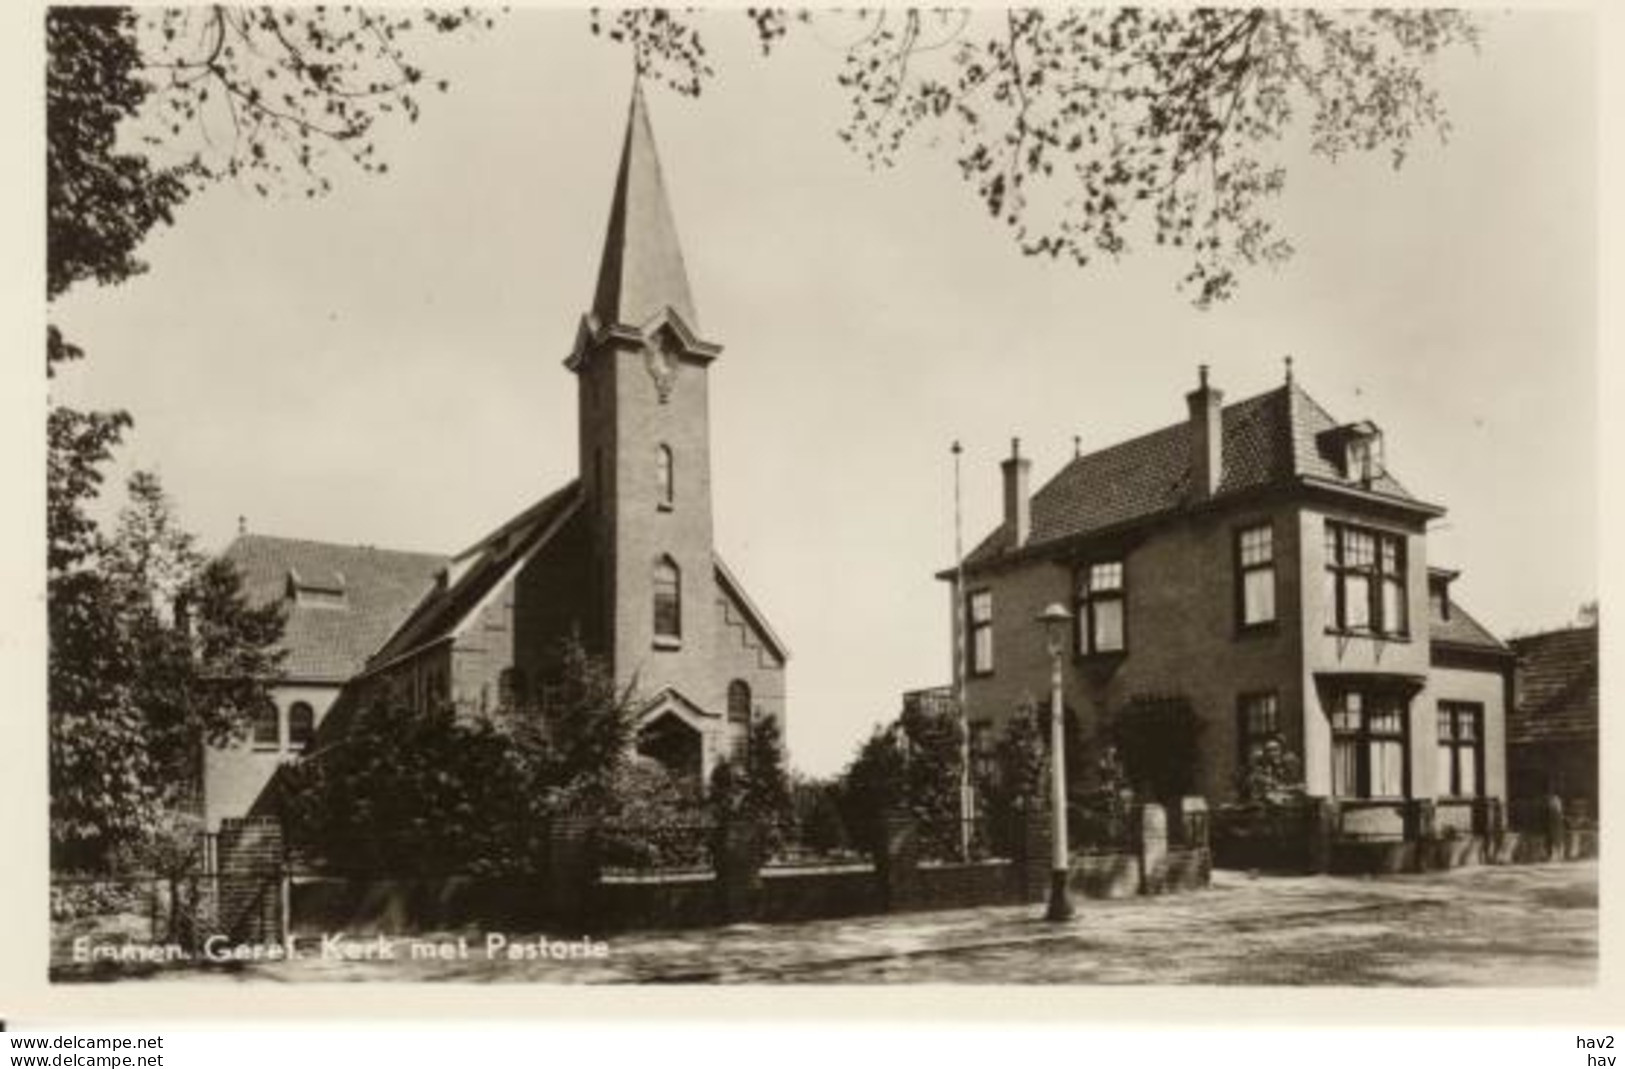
(621,556)
(1258,565)
(1552,737)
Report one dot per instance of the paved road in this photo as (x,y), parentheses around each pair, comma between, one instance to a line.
(1503,926)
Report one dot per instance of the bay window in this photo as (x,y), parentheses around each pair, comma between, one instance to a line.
(1368,744)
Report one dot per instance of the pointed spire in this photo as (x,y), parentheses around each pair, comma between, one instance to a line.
(641,274)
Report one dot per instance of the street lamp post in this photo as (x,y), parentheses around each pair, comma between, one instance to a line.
(1055,620)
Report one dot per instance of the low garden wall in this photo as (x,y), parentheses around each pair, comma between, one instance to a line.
(580,892)
(1420,835)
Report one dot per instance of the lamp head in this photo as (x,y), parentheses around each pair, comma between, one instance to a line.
(1055,619)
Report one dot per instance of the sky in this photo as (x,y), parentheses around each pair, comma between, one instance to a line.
(344,369)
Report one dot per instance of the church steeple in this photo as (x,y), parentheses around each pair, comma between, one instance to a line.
(641,274)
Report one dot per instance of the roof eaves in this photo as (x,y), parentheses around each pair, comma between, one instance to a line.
(508,572)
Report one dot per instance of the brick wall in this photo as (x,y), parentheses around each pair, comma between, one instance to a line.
(1181,635)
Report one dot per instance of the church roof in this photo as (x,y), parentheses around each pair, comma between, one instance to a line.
(1275,438)
(1555,687)
(474,574)
(641,274)
(342,601)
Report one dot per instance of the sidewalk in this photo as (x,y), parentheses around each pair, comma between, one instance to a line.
(1495,926)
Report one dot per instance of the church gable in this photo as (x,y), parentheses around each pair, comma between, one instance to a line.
(742,625)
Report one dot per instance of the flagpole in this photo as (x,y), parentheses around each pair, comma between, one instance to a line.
(966,809)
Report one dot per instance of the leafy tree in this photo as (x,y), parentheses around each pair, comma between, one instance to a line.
(155,653)
(100,201)
(1087,130)
(873,784)
(754,784)
(267,94)
(575,746)
(406,791)
(818,816)
(932,774)
(393,789)
(1020,769)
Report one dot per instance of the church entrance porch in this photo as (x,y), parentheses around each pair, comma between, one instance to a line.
(670,742)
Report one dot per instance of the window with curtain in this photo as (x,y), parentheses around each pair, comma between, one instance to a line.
(1461,727)
(668,600)
(1368,744)
(1101,618)
(979,612)
(1366,581)
(1255,569)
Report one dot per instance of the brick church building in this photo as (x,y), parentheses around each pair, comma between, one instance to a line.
(622,556)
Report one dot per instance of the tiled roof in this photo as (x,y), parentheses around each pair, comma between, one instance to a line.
(476,571)
(1460,629)
(330,637)
(1555,687)
(1266,440)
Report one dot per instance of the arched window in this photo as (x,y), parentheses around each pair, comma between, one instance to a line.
(739,702)
(267,727)
(664,483)
(301,727)
(668,600)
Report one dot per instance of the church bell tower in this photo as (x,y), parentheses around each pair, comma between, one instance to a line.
(642,366)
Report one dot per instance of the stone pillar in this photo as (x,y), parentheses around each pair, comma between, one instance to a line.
(1195,832)
(1320,831)
(1555,828)
(1030,854)
(897,861)
(572,869)
(1420,822)
(1152,825)
(737,854)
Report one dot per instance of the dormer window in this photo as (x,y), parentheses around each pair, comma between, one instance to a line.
(327,591)
(1363,461)
(1357,449)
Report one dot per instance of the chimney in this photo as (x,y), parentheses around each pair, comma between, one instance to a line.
(1018,514)
(1206,437)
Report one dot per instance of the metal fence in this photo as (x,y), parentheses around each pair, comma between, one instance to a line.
(646,849)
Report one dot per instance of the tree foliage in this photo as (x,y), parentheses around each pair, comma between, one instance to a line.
(410,791)
(100,201)
(754,784)
(269,94)
(910,766)
(1087,130)
(401,790)
(1019,773)
(154,654)
(574,746)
